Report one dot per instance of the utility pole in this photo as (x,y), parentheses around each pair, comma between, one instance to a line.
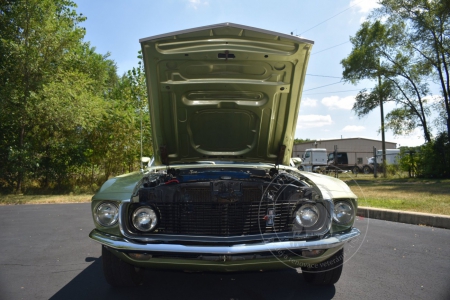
(375,164)
(383,141)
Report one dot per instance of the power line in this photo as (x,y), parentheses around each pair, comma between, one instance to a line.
(323,76)
(322,86)
(330,47)
(330,17)
(333,92)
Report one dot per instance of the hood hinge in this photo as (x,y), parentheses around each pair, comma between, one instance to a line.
(280,156)
(164,155)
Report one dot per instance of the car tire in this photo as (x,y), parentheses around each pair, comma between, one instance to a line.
(367,170)
(327,272)
(119,273)
(355,170)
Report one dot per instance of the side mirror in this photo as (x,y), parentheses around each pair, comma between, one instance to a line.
(146,162)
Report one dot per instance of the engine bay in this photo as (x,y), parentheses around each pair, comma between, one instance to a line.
(227,202)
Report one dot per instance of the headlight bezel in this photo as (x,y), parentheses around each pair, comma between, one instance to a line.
(350,213)
(152,212)
(311,207)
(98,215)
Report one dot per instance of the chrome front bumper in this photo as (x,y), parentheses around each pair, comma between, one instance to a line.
(123,244)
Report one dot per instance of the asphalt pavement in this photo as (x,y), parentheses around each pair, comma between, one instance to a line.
(46,254)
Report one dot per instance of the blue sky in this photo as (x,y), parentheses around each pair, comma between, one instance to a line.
(325,113)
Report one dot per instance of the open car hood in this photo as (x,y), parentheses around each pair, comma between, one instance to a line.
(224,92)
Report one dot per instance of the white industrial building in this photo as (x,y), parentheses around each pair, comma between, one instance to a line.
(361,148)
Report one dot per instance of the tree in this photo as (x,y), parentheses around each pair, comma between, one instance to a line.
(379,51)
(137,80)
(123,134)
(68,108)
(427,27)
(36,35)
(433,159)
(299,141)
(52,89)
(66,118)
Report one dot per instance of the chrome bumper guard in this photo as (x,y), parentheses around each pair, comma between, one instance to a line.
(123,244)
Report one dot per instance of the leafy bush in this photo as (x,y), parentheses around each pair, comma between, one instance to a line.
(431,160)
(393,169)
(409,159)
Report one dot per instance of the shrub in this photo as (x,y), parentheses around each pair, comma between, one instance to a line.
(431,160)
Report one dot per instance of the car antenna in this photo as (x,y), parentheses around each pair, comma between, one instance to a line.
(140,115)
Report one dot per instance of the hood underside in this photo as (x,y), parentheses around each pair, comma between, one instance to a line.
(224,92)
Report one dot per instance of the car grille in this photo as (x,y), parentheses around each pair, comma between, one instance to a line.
(196,211)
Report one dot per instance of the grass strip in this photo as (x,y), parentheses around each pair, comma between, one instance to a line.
(416,195)
(43,199)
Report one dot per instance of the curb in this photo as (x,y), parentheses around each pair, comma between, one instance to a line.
(416,218)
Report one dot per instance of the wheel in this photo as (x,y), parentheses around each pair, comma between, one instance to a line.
(367,170)
(327,272)
(355,170)
(119,273)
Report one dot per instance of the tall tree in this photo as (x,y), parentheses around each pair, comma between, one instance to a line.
(45,94)
(124,133)
(68,108)
(379,51)
(427,27)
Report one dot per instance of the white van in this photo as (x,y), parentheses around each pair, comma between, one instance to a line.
(313,159)
(392,157)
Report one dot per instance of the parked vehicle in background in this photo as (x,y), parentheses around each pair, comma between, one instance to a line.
(345,161)
(314,159)
(392,157)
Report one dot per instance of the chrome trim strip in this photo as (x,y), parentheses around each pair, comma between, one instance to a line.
(123,244)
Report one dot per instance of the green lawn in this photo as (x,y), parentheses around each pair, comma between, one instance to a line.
(421,195)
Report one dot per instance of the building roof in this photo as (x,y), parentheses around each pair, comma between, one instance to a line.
(344,139)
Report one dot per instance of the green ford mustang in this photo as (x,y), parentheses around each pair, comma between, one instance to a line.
(220,194)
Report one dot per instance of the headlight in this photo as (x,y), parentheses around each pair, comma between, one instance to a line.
(107,214)
(343,212)
(307,215)
(144,218)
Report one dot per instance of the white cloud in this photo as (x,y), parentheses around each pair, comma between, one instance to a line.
(339,103)
(311,121)
(309,102)
(433,99)
(411,140)
(408,141)
(353,128)
(364,6)
(195,4)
